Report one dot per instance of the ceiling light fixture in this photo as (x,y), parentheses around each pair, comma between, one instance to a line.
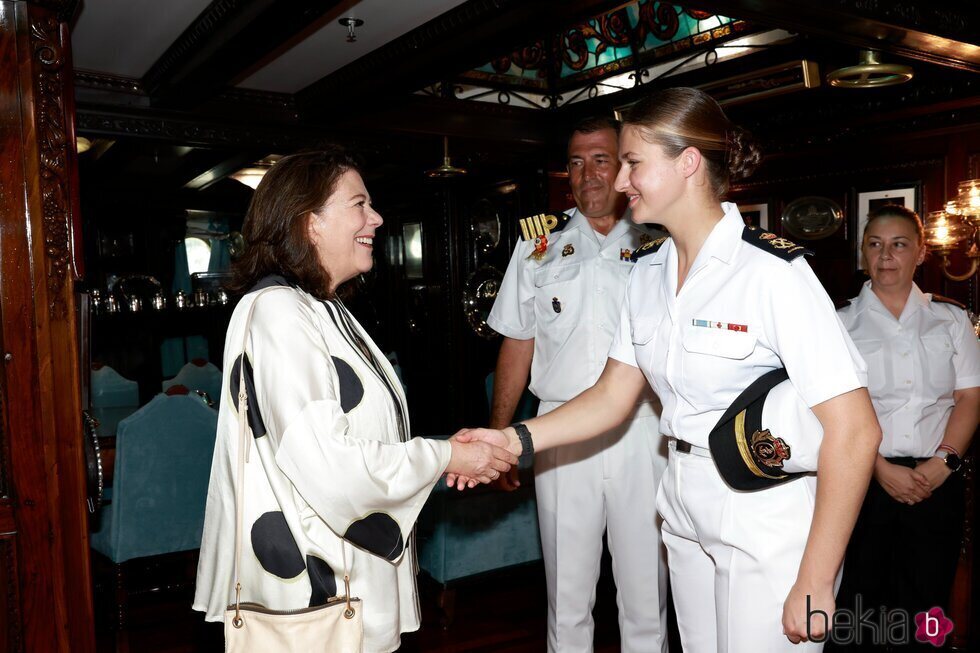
(446,170)
(350,24)
(252,175)
(870,73)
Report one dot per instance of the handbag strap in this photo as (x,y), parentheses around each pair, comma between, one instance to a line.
(244,449)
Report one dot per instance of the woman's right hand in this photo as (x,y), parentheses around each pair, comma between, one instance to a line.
(903,484)
(477,461)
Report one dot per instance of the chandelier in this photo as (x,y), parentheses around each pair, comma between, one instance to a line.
(957,229)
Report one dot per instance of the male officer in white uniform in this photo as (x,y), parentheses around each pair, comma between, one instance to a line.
(558,308)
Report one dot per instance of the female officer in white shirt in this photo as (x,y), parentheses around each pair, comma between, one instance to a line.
(924,378)
(708,312)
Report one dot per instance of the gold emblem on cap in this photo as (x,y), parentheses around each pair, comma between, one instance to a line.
(745,451)
(769,450)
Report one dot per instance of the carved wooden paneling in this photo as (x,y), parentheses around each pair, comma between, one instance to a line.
(31,573)
(48,56)
(38,364)
(59,398)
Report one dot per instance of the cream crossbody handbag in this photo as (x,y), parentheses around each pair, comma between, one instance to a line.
(335,627)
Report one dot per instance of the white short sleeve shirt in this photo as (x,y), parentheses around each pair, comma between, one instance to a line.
(741,312)
(915,363)
(568,301)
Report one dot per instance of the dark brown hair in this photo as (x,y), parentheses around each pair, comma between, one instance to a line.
(679,118)
(593,124)
(277,240)
(897,211)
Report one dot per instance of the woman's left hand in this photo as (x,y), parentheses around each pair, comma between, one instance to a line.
(808,613)
(934,473)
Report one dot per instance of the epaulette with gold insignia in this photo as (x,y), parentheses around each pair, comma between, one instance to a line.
(947,300)
(648,248)
(770,242)
(543,224)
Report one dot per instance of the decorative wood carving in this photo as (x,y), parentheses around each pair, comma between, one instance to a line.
(259,98)
(231,94)
(40,364)
(116,83)
(939,20)
(186,130)
(47,52)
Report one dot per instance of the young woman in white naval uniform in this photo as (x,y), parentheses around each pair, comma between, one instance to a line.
(707,312)
(924,378)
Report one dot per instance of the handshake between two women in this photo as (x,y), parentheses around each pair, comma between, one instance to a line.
(480,456)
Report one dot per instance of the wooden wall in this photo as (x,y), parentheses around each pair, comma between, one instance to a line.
(932,163)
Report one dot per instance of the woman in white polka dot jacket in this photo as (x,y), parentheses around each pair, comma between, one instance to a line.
(332,456)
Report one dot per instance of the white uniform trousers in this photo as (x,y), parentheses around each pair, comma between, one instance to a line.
(733,556)
(608,483)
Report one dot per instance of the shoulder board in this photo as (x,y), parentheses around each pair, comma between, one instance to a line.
(542,224)
(842,304)
(647,248)
(770,242)
(947,300)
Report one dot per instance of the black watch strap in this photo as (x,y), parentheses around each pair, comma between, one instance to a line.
(953,461)
(526,459)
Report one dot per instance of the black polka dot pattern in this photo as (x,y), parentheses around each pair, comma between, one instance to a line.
(275,547)
(351,389)
(254,414)
(322,582)
(377,533)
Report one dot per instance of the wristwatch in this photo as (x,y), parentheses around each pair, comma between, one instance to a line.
(526,459)
(952,461)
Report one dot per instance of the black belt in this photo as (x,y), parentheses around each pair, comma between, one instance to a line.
(680,446)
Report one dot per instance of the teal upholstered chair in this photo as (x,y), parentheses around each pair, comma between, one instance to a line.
(198,375)
(162,467)
(113,399)
(462,534)
(163,460)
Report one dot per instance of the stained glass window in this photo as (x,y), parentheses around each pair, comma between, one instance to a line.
(633,35)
